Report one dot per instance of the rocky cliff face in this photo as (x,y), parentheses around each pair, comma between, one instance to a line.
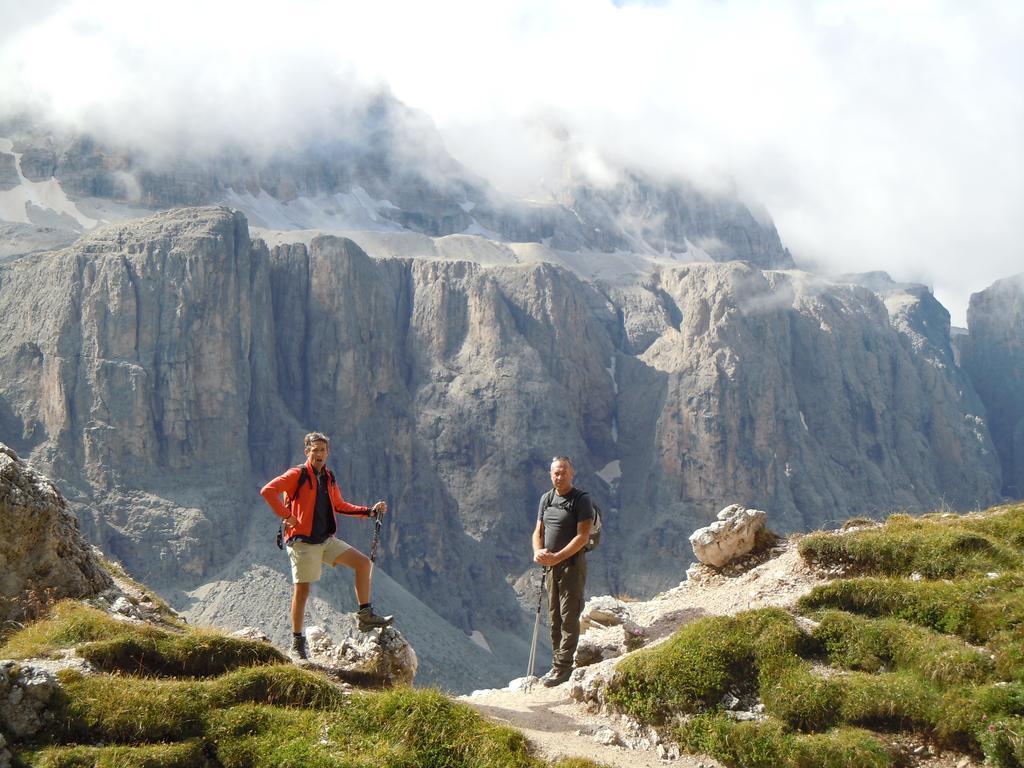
(166,368)
(43,557)
(992,354)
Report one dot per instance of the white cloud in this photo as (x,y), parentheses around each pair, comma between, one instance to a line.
(879,135)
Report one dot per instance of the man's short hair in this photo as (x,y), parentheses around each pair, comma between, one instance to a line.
(316,437)
(566,459)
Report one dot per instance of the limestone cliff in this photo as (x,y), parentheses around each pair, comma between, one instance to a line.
(992,354)
(165,368)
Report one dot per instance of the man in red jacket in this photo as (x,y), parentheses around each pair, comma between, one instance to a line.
(313,500)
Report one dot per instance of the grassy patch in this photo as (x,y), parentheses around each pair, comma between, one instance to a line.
(703,661)
(974,608)
(769,744)
(69,624)
(874,645)
(141,649)
(146,651)
(935,546)
(134,710)
(939,656)
(184,754)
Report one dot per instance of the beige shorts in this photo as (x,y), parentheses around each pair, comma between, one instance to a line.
(307,559)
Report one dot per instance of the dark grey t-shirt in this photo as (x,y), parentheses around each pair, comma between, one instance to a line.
(559,521)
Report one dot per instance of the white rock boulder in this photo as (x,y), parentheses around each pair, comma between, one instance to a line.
(732,536)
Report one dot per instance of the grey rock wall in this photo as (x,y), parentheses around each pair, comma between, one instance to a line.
(992,354)
(165,369)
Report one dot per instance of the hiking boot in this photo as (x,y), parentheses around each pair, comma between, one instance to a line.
(555,677)
(297,652)
(369,620)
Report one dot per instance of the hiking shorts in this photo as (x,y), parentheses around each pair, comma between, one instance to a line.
(307,559)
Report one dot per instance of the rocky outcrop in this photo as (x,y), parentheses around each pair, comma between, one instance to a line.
(373,659)
(43,557)
(992,354)
(178,364)
(733,535)
(25,692)
(787,393)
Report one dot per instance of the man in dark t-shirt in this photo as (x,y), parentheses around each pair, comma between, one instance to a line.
(564,518)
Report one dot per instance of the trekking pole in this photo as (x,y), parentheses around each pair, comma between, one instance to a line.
(376,540)
(536,625)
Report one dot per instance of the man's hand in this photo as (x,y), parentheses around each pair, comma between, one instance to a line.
(378,509)
(545,558)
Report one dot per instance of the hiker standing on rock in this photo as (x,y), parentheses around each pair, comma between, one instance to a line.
(309,523)
(564,518)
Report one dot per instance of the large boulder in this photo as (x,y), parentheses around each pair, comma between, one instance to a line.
(373,659)
(43,556)
(731,537)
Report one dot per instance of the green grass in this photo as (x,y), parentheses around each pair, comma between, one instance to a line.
(873,645)
(935,546)
(972,608)
(195,698)
(769,744)
(183,754)
(69,624)
(139,649)
(924,640)
(701,662)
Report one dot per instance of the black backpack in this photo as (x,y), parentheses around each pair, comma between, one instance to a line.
(595,528)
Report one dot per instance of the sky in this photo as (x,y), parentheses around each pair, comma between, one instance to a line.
(878,135)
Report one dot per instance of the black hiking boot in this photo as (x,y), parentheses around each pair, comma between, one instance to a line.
(555,677)
(297,652)
(369,620)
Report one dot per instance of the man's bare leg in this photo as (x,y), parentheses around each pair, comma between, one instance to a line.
(299,597)
(360,564)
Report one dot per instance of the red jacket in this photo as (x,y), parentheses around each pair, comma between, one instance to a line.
(304,503)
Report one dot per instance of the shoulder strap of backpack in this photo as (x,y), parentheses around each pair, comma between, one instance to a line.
(303,478)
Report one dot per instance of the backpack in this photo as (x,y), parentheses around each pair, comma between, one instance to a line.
(303,478)
(595,528)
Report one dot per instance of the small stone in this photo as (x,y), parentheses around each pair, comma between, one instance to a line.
(919,749)
(607,737)
(964,762)
(730,702)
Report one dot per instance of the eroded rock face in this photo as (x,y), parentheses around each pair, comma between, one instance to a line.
(43,556)
(992,354)
(731,536)
(177,365)
(786,393)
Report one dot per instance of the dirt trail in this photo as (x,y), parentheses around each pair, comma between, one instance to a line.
(558,726)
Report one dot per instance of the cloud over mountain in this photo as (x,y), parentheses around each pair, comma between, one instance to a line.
(878,136)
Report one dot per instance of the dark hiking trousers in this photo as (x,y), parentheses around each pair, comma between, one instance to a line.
(565,603)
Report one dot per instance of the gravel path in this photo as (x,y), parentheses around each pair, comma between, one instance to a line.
(558,726)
